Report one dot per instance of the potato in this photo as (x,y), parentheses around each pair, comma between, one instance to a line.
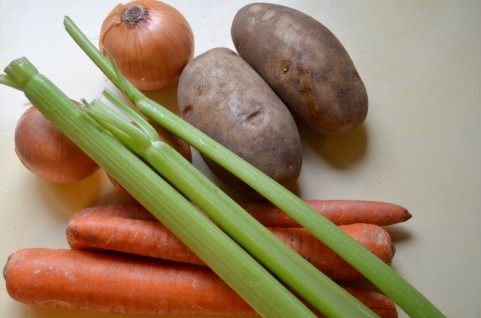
(220,94)
(304,63)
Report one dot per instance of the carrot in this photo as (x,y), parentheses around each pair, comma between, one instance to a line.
(96,282)
(340,212)
(99,229)
(373,237)
(379,303)
(140,237)
(69,279)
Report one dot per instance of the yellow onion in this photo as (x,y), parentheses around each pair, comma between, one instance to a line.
(150,41)
(47,152)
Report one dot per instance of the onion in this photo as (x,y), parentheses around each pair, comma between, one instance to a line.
(150,41)
(47,152)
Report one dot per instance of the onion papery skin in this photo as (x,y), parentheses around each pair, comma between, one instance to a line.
(152,51)
(48,153)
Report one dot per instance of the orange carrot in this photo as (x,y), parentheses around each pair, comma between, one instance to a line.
(373,237)
(69,279)
(119,234)
(340,212)
(379,303)
(96,282)
(104,230)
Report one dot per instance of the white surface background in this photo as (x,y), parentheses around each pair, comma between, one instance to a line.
(419,146)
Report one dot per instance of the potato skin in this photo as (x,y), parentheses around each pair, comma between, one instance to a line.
(220,94)
(304,63)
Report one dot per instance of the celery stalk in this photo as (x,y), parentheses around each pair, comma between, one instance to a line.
(236,267)
(6,80)
(380,274)
(300,275)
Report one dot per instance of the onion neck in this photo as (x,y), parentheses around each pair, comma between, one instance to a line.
(133,15)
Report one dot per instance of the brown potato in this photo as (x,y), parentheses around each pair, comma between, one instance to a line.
(304,63)
(220,94)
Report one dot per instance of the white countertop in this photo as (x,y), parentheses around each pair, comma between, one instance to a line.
(419,147)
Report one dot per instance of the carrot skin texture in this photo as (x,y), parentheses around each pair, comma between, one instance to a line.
(119,234)
(373,237)
(340,212)
(89,231)
(97,282)
(379,303)
(78,280)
